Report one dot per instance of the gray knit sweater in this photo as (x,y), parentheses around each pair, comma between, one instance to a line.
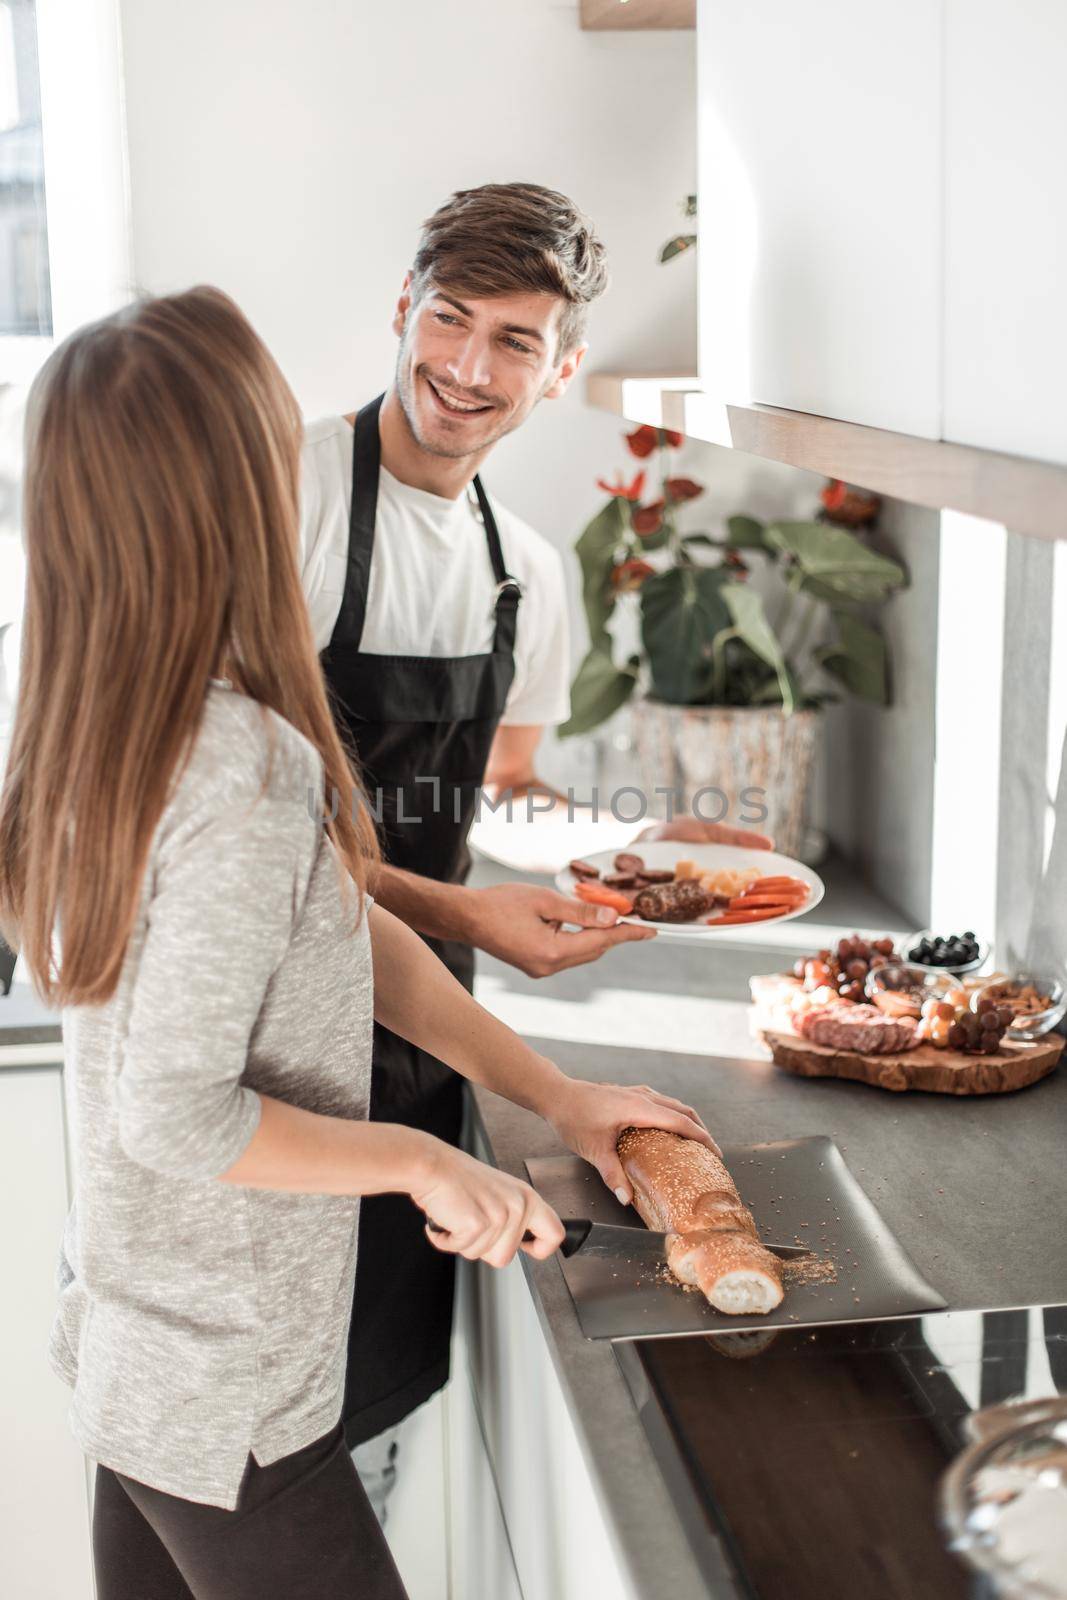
(199,1321)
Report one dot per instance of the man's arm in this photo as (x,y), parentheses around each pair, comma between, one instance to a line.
(521,923)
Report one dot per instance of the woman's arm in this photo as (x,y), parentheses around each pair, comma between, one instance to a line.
(485,1213)
(220,921)
(417,997)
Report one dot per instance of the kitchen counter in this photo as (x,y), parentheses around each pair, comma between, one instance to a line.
(30,1034)
(975,1190)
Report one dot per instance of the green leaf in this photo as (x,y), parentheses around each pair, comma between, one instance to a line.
(598,690)
(858,659)
(681,612)
(770,693)
(702,538)
(677,246)
(750,624)
(651,541)
(746,533)
(835,565)
(596,548)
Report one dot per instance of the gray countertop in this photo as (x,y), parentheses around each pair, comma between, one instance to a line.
(975,1190)
(25,1021)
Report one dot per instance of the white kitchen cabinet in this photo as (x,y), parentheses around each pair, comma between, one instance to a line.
(45,1553)
(558,1533)
(480,1554)
(1006,226)
(820,208)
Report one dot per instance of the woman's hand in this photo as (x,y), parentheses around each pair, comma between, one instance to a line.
(589,1117)
(484,1213)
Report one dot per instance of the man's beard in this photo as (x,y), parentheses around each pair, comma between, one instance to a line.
(406,380)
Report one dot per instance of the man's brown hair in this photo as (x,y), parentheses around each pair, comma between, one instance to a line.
(514,238)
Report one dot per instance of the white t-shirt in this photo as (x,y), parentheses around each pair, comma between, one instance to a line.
(431,590)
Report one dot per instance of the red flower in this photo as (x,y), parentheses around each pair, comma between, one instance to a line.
(679,489)
(850,508)
(624,491)
(737,564)
(628,575)
(648,519)
(645,439)
(642,441)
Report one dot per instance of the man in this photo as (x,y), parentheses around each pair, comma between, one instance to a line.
(442,622)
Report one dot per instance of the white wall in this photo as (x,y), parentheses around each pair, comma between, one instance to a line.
(289,153)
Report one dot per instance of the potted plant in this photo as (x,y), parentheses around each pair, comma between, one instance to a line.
(730,690)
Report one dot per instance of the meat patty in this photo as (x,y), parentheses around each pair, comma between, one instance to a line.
(673,902)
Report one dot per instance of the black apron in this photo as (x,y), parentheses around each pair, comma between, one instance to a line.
(411,718)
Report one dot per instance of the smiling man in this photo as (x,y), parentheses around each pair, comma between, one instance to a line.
(442,622)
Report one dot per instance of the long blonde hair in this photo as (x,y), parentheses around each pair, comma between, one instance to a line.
(161,519)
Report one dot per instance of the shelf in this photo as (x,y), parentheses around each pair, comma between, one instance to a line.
(1025,496)
(632,14)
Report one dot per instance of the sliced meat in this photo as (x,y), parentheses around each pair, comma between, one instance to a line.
(626,861)
(650,875)
(582,869)
(853,1027)
(620,880)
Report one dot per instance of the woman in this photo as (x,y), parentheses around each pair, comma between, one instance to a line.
(176,882)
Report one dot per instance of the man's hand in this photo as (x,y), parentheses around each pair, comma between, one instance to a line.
(589,1117)
(690,830)
(522,924)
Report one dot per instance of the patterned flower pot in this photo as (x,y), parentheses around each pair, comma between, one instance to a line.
(727,763)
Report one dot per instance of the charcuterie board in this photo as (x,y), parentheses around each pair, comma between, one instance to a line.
(934,1068)
(1015,1066)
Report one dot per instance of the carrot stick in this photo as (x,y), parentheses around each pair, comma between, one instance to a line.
(758,914)
(781,898)
(598,894)
(775,884)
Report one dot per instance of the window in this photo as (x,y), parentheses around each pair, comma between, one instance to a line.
(25,295)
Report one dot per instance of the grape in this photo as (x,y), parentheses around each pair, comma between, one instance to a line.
(884,947)
(856,970)
(957,1036)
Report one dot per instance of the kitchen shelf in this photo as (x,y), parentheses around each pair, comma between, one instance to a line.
(633,14)
(1024,495)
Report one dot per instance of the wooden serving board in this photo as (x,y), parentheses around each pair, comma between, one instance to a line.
(1015,1066)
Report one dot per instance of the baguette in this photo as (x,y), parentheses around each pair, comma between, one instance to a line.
(682,1189)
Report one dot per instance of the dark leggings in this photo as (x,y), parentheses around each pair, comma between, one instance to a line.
(302,1529)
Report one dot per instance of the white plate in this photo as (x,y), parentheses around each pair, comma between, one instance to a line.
(664,853)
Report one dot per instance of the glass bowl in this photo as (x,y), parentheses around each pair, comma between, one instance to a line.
(900,987)
(907,945)
(1033,1024)
(1004,1500)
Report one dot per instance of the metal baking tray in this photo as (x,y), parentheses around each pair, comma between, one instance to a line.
(800,1191)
